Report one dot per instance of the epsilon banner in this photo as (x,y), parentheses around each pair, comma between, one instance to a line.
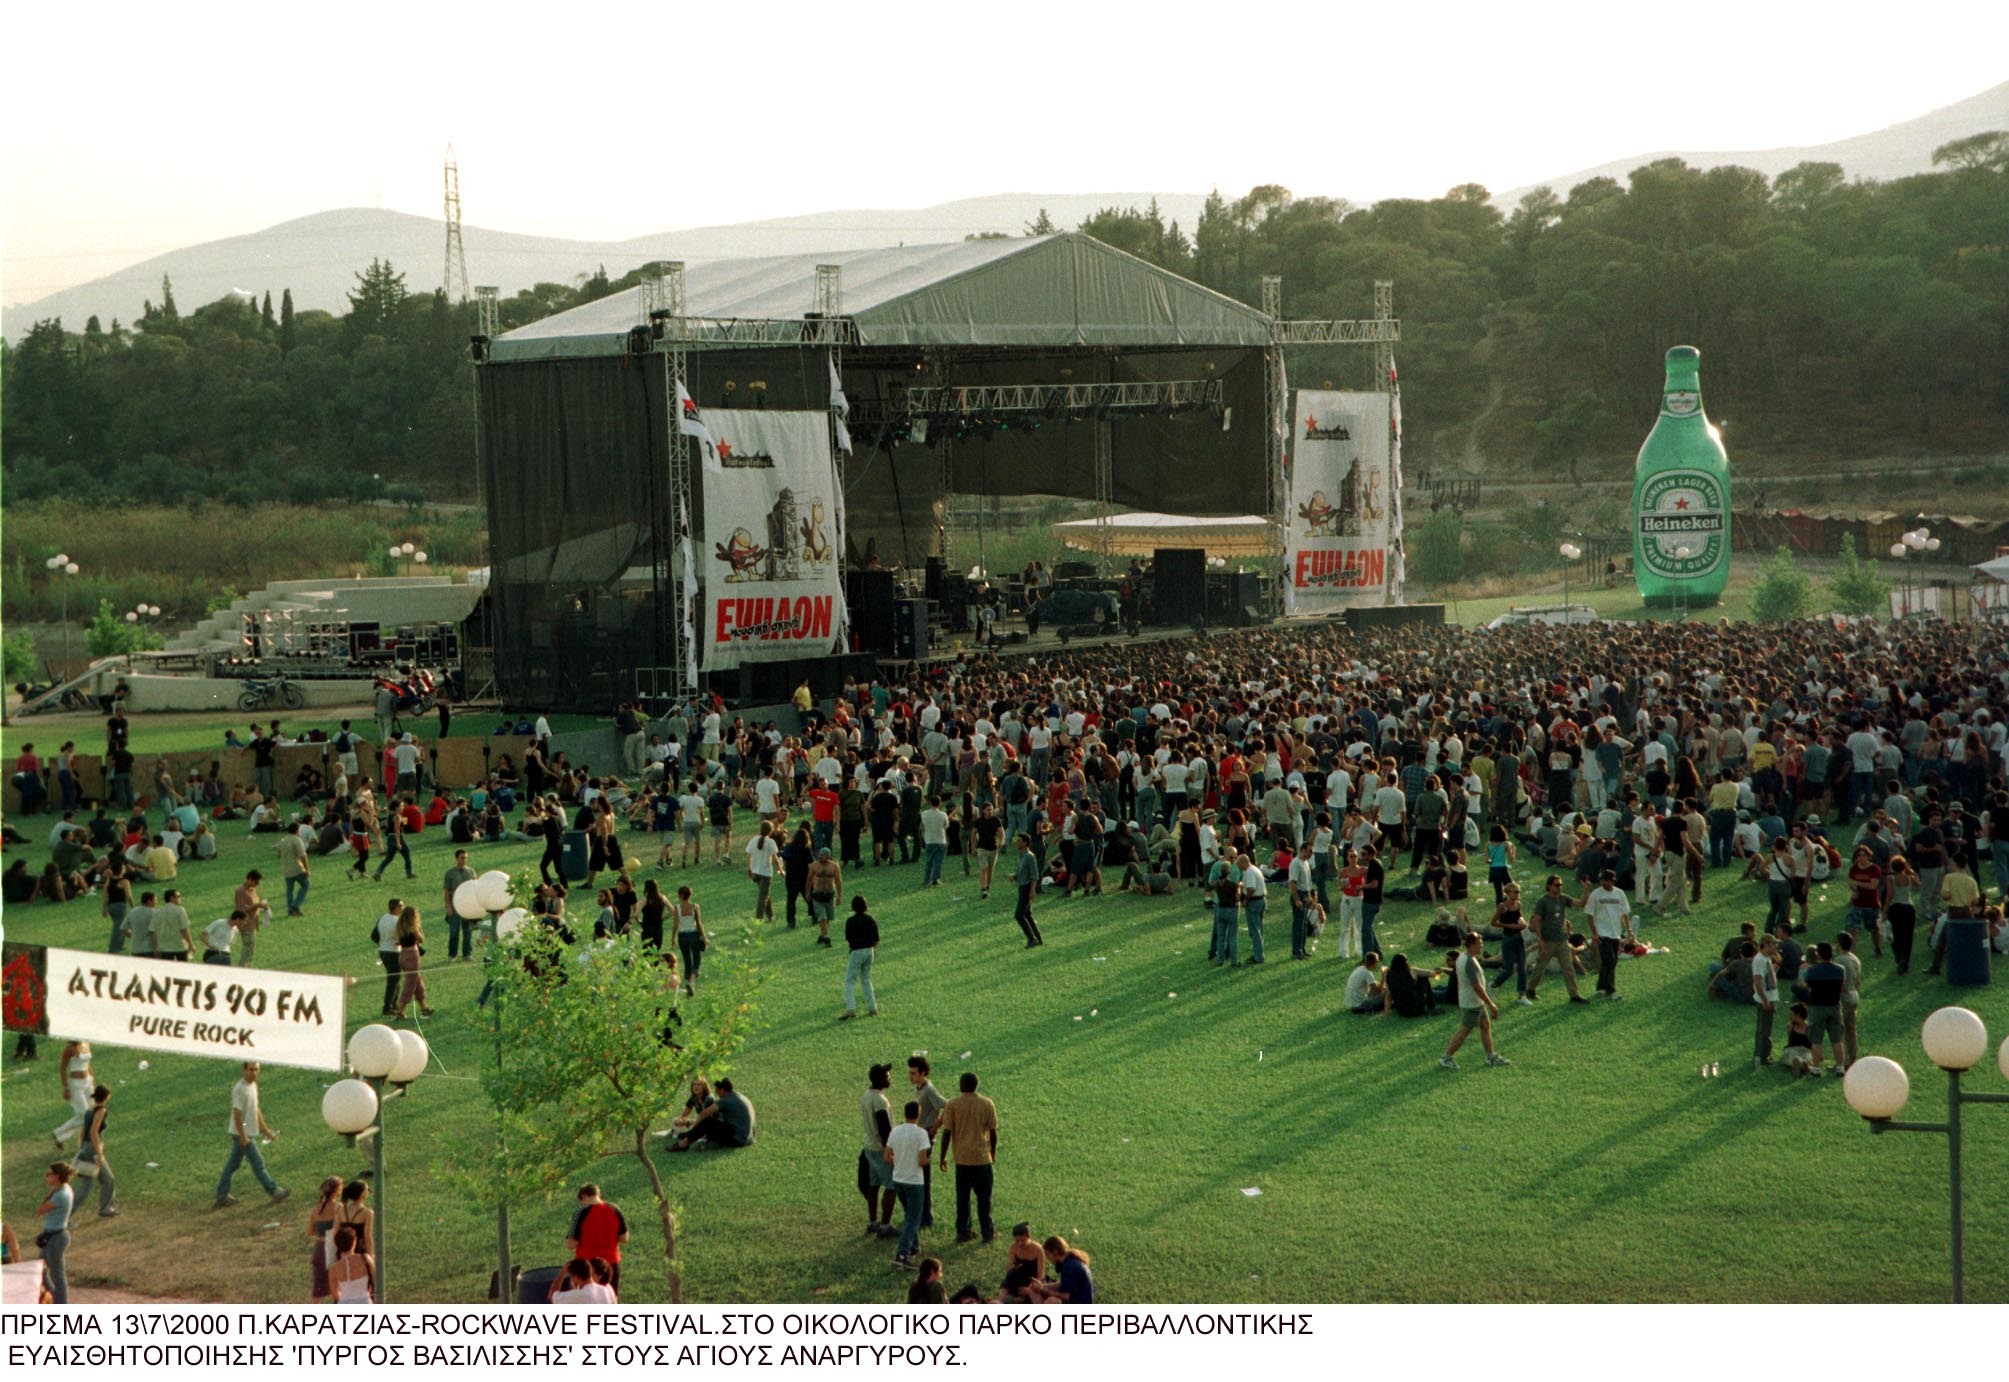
(267,1015)
(772,587)
(1341,497)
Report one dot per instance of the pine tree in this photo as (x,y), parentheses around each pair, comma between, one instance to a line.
(168,313)
(1042,225)
(265,313)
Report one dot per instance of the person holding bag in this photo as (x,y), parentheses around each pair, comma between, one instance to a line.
(691,941)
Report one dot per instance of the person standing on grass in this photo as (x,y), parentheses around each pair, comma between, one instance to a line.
(55,1236)
(1304,897)
(217,936)
(907,1152)
(968,1130)
(1476,1007)
(934,842)
(762,852)
(117,902)
(1852,993)
(598,1230)
(91,1161)
(861,936)
(294,870)
(169,921)
(247,1125)
(875,1172)
(387,952)
(691,940)
(825,883)
(1255,890)
(1027,878)
(395,843)
(796,857)
(932,1103)
(1824,981)
(1611,918)
(248,899)
(1765,994)
(1513,929)
(459,929)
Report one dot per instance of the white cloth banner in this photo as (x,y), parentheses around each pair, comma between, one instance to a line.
(772,587)
(1398,564)
(688,606)
(267,1015)
(692,424)
(840,406)
(1340,501)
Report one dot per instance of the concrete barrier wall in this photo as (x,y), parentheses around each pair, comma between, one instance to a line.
(221,693)
(234,769)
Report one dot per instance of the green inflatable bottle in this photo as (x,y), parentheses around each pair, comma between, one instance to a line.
(1681,497)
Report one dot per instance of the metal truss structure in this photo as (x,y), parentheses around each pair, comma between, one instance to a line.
(1137,396)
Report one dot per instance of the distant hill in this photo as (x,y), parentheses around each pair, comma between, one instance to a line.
(317,256)
(1893,152)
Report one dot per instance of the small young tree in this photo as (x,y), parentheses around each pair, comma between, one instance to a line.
(595,1047)
(1856,586)
(111,636)
(1782,590)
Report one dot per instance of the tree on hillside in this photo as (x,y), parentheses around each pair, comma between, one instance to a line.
(379,297)
(265,320)
(1782,590)
(1573,431)
(1986,152)
(1856,586)
(1041,225)
(604,1050)
(286,328)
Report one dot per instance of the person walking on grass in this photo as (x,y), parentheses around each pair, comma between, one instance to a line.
(1027,878)
(826,882)
(763,851)
(387,953)
(294,871)
(1765,995)
(459,929)
(1611,918)
(875,1172)
(932,1103)
(968,1130)
(861,937)
(1255,890)
(247,1125)
(395,844)
(90,1161)
(691,941)
(1476,1007)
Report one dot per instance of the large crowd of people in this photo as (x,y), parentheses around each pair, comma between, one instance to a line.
(1305,767)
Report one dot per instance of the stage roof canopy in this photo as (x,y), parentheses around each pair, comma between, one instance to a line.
(1139,534)
(1048,291)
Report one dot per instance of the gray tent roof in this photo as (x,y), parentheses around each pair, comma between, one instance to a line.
(1053,290)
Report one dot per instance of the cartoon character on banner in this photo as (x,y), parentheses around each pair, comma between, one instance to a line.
(1320,517)
(742,554)
(1370,498)
(815,542)
(784,561)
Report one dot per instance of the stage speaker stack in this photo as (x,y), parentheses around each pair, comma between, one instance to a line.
(870,597)
(937,570)
(1393,616)
(1234,598)
(1179,591)
(910,629)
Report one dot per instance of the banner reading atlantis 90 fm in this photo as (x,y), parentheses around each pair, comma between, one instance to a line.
(772,587)
(1339,501)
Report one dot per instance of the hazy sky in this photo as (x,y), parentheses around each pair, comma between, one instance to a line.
(133,130)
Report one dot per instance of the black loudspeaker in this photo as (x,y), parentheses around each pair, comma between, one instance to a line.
(910,629)
(1386,616)
(870,596)
(936,569)
(1230,594)
(1179,592)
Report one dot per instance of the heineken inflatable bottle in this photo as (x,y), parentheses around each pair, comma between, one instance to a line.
(1681,497)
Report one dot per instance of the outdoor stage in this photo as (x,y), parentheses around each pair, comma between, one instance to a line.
(678,478)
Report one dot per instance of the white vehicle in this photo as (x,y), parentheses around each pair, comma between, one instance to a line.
(1545,614)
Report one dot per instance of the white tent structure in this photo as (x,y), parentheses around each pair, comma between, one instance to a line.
(1138,534)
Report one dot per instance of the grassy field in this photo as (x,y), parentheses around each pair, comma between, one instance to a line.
(1140,1091)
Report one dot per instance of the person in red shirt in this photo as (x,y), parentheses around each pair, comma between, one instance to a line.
(822,813)
(28,780)
(598,1230)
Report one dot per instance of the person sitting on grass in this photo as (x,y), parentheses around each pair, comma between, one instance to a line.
(1407,993)
(1799,1056)
(1074,1284)
(724,1123)
(1025,1268)
(928,1288)
(1365,991)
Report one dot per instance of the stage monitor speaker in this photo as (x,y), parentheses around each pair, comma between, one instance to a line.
(910,629)
(1179,592)
(870,597)
(1229,593)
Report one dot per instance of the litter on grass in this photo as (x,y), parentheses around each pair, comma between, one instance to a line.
(146,1065)
(153,1166)
(964,1056)
(1171,995)
(1252,1190)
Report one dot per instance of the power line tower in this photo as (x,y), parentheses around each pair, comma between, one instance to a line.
(456,251)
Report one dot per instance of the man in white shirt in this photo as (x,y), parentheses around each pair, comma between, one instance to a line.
(767,797)
(1304,897)
(1390,806)
(1255,896)
(1174,774)
(407,756)
(217,936)
(907,1153)
(1610,919)
(761,854)
(1338,791)
(1765,994)
(247,1125)
(934,842)
(1476,1007)
(387,953)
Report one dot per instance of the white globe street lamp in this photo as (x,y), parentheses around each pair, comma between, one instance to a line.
(381,1056)
(1877,1088)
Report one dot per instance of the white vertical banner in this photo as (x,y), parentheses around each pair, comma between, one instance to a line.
(687,607)
(840,407)
(772,587)
(1340,501)
(1397,550)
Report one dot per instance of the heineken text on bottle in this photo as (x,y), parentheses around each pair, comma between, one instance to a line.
(1681,496)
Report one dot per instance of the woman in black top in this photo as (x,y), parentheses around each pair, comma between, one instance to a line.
(654,907)
(554,847)
(795,857)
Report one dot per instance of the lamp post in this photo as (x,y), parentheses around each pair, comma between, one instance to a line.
(1876,1087)
(1569,552)
(410,553)
(385,1061)
(62,568)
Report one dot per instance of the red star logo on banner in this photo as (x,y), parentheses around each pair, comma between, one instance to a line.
(725,451)
(1681,503)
